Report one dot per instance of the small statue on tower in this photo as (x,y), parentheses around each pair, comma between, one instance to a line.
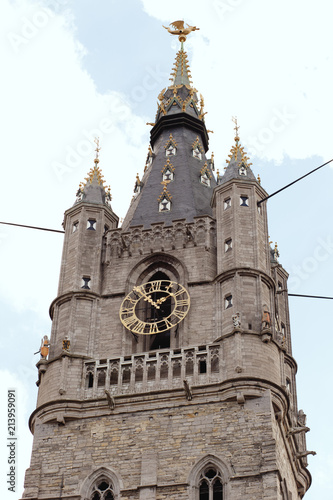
(44,348)
(266,319)
(236,320)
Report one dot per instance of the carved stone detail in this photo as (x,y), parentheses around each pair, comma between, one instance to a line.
(140,241)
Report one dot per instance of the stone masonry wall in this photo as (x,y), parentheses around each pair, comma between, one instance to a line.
(176,436)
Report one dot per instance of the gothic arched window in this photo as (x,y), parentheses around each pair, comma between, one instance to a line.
(197,153)
(164,205)
(103,490)
(168,175)
(205,179)
(210,479)
(160,340)
(170,150)
(103,483)
(210,485)
(242,170)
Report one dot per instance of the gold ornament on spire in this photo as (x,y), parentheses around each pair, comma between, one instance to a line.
(237,127)
(96,141)
(180,30)
(94,175)
(237,152)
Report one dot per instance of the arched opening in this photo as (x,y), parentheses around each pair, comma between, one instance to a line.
(209,479)
(210,486)
(102,484)
(153,314)
(103,490)
(158,267)
(89,379)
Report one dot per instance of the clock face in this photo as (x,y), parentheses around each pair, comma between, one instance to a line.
(154,307)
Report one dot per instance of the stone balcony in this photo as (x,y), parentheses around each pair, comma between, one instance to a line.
(151,371)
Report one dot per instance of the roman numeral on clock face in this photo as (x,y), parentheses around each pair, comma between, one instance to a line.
(153,328)
(182,303)
(179,314)
(154,286)
(130,322)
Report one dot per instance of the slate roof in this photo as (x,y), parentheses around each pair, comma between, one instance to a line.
(190,198)
(179,114)
(238,162)
(93,190)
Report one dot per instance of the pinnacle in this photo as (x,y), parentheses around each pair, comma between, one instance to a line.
(181,73)
(94,190)
(180,96)
(238,164)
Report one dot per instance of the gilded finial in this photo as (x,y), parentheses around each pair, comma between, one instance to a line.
(259,180)
(96,141)
(180,30)
(234,119)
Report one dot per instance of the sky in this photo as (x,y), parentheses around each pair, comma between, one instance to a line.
(73,70)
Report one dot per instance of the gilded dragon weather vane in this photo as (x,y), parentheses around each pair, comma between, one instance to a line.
(180,30)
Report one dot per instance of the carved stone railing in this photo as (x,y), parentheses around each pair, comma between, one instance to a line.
(150,371)
(140,241)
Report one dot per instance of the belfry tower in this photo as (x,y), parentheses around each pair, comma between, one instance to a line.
(170,372)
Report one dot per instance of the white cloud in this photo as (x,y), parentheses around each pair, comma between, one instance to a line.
(256,68)
(51,112)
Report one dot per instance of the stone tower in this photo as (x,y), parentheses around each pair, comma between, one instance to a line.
(170,373)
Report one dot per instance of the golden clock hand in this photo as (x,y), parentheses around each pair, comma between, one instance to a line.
(150,300)
(162,299)
(146,297)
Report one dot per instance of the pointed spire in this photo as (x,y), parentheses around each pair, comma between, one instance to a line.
(181,74)
(179,142)
(93,190)
(238,165)
(180,96)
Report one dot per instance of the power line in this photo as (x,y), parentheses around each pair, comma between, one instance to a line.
(33,227)
(291,183)
(309,296)
(258,203)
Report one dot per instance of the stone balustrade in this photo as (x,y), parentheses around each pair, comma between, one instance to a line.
(150,371)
